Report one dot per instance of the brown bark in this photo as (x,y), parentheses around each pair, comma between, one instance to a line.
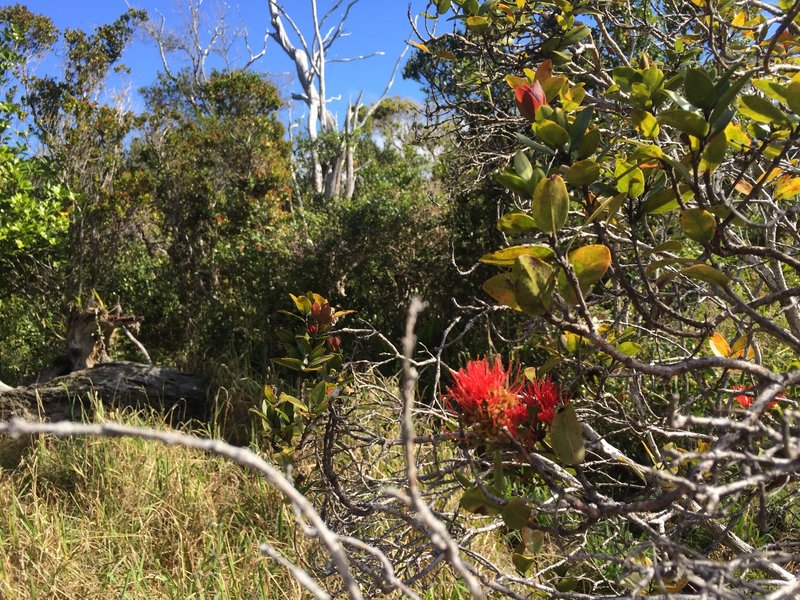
(181,396)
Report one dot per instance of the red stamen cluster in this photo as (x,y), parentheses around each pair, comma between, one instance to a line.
(497,401)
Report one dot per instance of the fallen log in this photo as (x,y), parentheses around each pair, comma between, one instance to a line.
(181,396)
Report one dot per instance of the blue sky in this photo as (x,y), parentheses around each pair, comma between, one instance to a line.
(374,25)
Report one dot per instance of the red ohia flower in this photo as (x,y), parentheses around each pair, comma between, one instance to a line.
(529,98)
(481,392)
(493,399)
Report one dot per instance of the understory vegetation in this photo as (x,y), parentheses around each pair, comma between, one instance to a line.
(534,336)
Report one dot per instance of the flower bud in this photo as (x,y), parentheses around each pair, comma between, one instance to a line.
(529,98)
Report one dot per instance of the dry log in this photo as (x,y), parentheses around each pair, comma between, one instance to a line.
(181,396)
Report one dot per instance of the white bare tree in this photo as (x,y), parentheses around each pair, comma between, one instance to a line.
(310,53)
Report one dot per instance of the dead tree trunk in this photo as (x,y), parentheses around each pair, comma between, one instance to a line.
(87,377)
(180,396)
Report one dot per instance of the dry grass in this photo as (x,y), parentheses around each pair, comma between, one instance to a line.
(124,518)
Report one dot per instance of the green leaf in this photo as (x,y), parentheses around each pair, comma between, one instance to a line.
(582,173)
(533,285)
(762,110)
(516,513)
(474,500)
(607,208)
(551,133)
(688,122)
(302,303)
(714,152)
(664,200)
(590,264)
(698,225)
(645,123)
(522,563)
(699,88)
(577,130)
(507,256)
(535,145)
(517,222)
(705,273)
(523,166)
(668,246)
(793,97)
(630,179)
(772,89)
(566,437)
(575,35)
(726,98)
(442,6)
(629,348)
(512,181)
(501,288)
(550,205)
(588,145)
(296,402)
(290,363)
(679,100)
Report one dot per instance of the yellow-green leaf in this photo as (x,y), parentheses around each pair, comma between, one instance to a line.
(516,222)
(507,256)
(551,133)
(685,121)
(550,205)
(500,287)
(645,123)
(516,513)
(583,172)
(705,273)
(532,284)
(762,110)
(698,224)
(566,437)
(590,264)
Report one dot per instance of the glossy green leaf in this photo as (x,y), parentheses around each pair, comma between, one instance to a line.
(566,437)
(762,110)
(772,89)
(589,144)
(523,166)
(590,264)
(578,128)
(714,152)
(507,256)
(706,273)
(550,205)
(551,133)
(793,97)
(501,288)
(726,98)
(583,172)
(698,224)
(535,145)
(699,88)
(302,303)
(533,285)
(516,513)
(442,6)
(512,181)
(645,123)
(516,223)
(683,120)
(664,200)
(630,179)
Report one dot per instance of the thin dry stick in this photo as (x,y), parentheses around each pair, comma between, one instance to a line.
(302,577)
(437,530)
(242,456)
